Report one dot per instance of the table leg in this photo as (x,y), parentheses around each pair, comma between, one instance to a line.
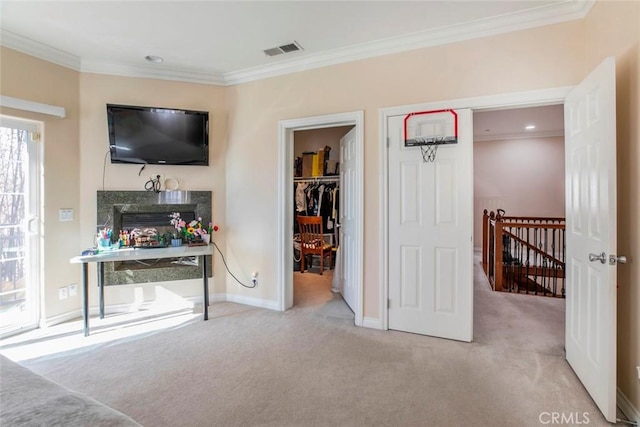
(205,282)
(85,298)
(101,287)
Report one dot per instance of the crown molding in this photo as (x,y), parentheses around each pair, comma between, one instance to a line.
(544,15)
(152,72)
(540,16)
(527,135)
(45,52)
(39,50)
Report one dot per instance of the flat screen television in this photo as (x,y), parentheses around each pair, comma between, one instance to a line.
(148,135)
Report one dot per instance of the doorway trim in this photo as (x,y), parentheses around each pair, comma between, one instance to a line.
(514,99)
(284,258)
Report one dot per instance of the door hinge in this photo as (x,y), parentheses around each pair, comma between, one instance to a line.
(388,142)
(388,303)
(35,136)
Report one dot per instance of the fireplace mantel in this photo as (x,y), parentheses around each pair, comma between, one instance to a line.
(111,205)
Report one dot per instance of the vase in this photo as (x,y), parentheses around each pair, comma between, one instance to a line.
(206,238)
(176,242)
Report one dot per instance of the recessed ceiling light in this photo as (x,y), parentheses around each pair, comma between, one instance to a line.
(154,59)
(530,127)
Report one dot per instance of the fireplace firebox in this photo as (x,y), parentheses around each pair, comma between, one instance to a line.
(126,210)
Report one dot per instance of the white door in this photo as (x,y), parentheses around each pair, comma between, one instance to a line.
(19,225)
(430,235)
(348,218)
(590,146)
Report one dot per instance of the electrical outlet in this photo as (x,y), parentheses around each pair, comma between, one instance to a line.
(254,278)
(638,369)
(73,290)
(63,292)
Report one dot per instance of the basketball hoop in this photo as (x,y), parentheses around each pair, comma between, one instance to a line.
(430,129)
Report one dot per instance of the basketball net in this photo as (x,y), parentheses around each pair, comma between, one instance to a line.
(429,152)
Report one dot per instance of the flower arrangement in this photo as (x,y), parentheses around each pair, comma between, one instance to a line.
(194,230)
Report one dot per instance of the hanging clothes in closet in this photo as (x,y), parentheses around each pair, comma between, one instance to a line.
(313,198)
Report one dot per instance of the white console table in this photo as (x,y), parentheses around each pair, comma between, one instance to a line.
(133,254)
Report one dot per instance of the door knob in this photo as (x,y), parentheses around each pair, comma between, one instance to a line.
(619,259)
(602,257)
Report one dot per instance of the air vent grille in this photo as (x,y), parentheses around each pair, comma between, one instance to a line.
(291,47)
(273,51)
(286,48)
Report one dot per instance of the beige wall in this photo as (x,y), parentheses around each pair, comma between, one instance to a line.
(98,90)
(525,177)
(28,78)
(613,28)
(317,139)
(534,59)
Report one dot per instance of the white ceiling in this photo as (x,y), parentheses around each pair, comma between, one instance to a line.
(222,42)
(510,124)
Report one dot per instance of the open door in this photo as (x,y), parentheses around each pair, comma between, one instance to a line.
(430,230)
(348,219)
(590,144)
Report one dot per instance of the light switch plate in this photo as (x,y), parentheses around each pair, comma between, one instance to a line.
(66,214)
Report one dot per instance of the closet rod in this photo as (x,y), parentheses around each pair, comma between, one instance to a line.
(335,178)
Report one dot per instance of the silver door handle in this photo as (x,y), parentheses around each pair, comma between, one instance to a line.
(602,257)
(617,259)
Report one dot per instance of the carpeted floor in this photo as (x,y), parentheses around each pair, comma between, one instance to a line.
(310,366)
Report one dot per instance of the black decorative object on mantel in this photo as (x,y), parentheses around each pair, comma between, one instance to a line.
(129,209)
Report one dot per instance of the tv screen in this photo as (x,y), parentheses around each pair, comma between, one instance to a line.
(147,135)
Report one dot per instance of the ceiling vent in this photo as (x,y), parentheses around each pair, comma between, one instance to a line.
(286,48)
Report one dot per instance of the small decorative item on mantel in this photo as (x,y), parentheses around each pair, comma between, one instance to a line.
(145,238)
(193,233)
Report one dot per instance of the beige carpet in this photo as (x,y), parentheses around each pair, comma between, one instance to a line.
(311,367)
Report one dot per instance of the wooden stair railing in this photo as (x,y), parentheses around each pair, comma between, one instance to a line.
(524,254)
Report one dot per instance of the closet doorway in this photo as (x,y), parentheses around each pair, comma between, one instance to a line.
(319,155)
(326,182)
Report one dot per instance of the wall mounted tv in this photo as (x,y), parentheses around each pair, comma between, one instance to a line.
(147,135)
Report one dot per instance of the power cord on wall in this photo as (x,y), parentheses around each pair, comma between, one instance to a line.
(104,167)
(255,283)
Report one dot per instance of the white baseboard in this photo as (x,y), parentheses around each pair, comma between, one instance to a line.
(213,298)
(217,298)
(372,322)
(61,318)
(254,302)
(627,407)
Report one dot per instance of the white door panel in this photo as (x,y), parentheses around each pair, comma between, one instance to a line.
(347,220)
(590,144)
(430,235)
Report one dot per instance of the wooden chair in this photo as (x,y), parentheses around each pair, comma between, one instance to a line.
(312,240)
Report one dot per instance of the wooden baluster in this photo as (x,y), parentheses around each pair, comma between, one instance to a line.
(485,240)
(498,255)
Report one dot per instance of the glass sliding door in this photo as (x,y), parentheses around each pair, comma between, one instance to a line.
(19,225)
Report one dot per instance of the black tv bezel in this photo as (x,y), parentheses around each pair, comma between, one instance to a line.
(112,143)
